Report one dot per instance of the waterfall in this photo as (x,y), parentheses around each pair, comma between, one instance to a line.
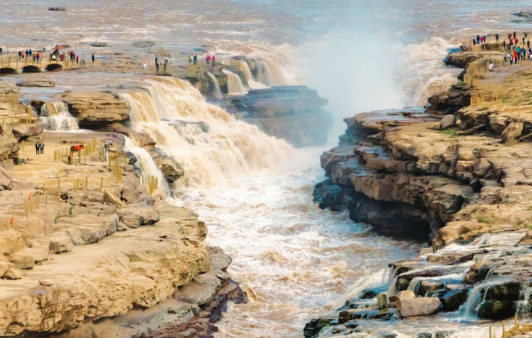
(145,162)
(269,73)
(476,297)
(208,142)
(217,90)
(244,67)
(55,116)
(234,84)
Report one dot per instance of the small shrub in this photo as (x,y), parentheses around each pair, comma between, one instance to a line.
(511,143)
(450,132)
(529,208)
(70,210)
(487,220)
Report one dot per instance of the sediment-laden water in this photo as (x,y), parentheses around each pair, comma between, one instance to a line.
(293,260)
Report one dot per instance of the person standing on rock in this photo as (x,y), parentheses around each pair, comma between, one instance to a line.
(195,58)
(42,148)
(207,58)
(37,147)
(189,59)
(145,66)
(497,37)
(165,63)
(213,60)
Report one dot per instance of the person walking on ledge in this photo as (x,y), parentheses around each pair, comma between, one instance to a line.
(93,58)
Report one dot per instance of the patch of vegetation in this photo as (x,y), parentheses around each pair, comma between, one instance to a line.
(511,143)
(529,208)
(452,133)
(483,109)
(70,210)
(530,227)
(487,219)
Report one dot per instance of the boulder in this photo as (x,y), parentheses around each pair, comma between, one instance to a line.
(452,300)
(408,305)
(447,122)
(135,216)
(8,148)
(60,244)
(171,169)
(512,132)
(141,139)
(23,131)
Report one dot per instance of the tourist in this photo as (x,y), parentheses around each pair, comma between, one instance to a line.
(54,57)
(528,43)
(42,148)
(208,58)
(189,59)
(497,37)
(504,44)
(213,60)
(92,58)
(37,148)
(515,34)
(490,66)
(474,42)
(506,58)
(165,63)
(77,59)
(478,39)
(195,58)
(157,67)
(145,66)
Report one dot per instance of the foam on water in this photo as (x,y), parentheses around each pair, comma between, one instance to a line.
(294,260)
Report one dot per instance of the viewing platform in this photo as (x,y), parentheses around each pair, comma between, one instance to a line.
(11,64)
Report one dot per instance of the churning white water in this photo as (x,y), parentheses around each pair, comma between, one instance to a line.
(294,260)
(234,84)
(55,116)
(209,143)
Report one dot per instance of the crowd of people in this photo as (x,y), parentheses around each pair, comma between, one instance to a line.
(515,49)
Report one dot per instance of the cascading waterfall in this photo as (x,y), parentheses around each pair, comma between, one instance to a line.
(234,84)
(145,162)
(244,67)
(210,144)
(217,90)
(269,73)
(59,118)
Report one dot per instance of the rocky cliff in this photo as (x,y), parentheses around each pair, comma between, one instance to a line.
(453,172)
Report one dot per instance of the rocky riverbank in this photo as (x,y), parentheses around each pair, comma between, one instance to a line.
(88,248)
(454,173)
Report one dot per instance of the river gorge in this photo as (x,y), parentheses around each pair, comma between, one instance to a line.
(279,192)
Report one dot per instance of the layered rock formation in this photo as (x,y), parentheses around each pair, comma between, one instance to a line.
(293,113)
(92,255)
(453,173)
(96,108)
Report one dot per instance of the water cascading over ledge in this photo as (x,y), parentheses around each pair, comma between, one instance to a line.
(209,156)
